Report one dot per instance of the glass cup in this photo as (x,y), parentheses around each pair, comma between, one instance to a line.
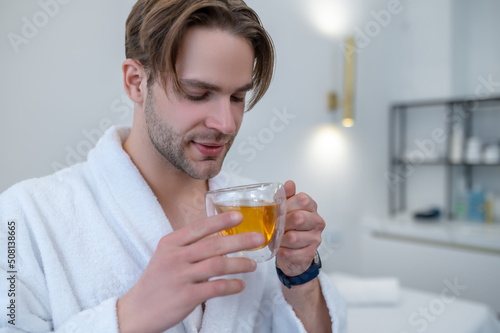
(264,210)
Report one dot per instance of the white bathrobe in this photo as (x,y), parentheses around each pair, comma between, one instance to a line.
(84,236)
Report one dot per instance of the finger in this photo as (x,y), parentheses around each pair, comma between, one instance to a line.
(305,254)
(221,245)
(301,201)
(289,188)
(300,239)
(220,266)
(304,221)
(218,288)
(203,228)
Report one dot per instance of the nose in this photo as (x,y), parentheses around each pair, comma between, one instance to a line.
(221,117)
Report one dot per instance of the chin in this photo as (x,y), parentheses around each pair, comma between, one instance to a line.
(206,172)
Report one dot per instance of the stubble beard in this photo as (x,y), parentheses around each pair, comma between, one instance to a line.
(172,146)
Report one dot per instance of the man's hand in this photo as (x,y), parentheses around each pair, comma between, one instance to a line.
(299,244)
(176,278)
(302,234)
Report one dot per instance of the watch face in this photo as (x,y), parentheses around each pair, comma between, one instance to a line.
(317,259)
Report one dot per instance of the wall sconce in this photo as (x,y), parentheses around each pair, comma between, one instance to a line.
(349,76)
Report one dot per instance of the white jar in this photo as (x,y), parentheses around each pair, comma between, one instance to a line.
(491,154)
(473,153)
(457,145)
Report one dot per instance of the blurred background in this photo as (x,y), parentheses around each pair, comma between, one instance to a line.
(409,150)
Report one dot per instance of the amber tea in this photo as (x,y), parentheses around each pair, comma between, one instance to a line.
(258,216)
(263,207)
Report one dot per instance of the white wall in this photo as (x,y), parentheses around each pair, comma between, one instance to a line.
(65,78)
(476,54)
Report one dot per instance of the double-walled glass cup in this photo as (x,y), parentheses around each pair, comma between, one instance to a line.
(264,210)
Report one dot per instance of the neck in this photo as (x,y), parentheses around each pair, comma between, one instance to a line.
(181,196)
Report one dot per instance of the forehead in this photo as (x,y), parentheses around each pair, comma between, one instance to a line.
(215,56)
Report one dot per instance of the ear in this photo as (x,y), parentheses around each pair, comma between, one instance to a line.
(134,80)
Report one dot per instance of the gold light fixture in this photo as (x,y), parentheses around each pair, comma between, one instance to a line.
(350,46)
(349,78)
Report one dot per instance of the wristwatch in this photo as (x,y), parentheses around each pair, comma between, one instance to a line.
(311,273)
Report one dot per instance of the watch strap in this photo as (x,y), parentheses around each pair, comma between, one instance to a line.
(288,281)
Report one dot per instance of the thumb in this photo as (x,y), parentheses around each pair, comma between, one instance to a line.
(289,189)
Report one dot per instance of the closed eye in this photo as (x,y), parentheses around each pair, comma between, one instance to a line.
(197,97)
(237,99)
(205,96)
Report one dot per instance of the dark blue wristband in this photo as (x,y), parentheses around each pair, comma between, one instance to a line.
(311,273)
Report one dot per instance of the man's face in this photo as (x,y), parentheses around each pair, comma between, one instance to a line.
(195,132)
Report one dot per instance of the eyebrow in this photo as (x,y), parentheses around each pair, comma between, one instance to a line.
(208,86)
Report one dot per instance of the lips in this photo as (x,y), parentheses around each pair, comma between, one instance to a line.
(209,149)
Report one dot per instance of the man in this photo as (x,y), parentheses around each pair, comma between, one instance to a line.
(107,246)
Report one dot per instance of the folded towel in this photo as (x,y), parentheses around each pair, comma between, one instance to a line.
(367,291)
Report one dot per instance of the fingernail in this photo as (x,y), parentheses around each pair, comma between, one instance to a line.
(235,217)
(259,238)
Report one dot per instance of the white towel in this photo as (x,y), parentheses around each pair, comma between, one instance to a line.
(367,291)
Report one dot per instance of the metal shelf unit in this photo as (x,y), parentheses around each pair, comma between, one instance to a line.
(398,128)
